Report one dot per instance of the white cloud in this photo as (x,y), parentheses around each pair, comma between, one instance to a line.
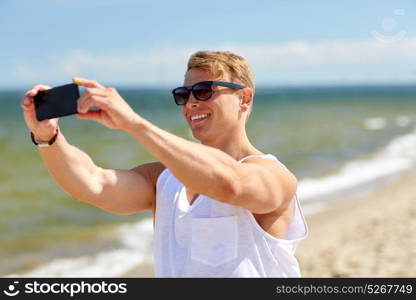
(297,62)
(366,60)
(151,67)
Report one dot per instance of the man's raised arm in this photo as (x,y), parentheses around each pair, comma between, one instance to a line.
(117,191)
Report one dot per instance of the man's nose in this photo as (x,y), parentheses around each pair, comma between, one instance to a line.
(192,102)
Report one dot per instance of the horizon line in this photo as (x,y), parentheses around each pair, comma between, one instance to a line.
(259,86)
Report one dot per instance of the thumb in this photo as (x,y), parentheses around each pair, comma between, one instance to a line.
(86,82)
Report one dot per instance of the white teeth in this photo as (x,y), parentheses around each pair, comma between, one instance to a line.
(197,117)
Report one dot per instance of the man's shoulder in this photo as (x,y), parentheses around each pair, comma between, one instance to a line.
(276,170)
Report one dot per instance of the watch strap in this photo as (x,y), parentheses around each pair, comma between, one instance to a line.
(44,144)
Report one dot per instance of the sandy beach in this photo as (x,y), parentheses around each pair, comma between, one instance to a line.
(373,235)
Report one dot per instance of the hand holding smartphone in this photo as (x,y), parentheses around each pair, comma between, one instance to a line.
(57,102)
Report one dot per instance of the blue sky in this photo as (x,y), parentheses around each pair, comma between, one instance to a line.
(147,43)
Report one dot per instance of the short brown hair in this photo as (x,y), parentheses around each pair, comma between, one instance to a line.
(218,63)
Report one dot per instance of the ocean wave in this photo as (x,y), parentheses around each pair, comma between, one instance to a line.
(137,240)
(403,121)
(375,123)
(398,156)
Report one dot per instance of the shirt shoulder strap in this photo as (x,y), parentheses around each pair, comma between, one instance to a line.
(267,156)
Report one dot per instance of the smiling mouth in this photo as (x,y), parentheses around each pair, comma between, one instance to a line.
(199,118)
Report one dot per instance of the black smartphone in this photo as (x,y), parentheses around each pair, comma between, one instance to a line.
(57,102)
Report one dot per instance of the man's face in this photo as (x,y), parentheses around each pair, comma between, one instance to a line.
(221,113)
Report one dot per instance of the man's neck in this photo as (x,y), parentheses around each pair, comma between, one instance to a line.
(236,145)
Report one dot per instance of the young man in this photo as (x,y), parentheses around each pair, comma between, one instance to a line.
(222,208)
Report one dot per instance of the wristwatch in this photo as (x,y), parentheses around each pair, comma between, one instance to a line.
(44,144)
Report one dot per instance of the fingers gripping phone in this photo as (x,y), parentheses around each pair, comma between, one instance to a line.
(57,102)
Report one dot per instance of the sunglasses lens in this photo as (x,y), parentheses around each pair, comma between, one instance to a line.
(181,95)
(202,91)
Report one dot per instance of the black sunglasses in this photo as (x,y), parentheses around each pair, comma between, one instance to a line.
(201,91)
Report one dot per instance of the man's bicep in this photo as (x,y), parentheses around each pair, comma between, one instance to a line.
(130,191)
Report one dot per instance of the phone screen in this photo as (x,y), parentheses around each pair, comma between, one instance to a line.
(57,102)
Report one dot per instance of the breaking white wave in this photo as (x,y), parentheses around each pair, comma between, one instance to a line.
(398,156)
(375,123)
(403,121)
(137,240)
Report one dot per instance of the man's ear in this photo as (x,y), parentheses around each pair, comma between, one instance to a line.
(246,98)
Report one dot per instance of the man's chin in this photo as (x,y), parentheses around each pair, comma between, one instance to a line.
(199,134)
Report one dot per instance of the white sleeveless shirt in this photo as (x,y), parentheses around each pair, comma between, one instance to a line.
(215,239)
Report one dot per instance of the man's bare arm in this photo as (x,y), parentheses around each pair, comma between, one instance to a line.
(116,191)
